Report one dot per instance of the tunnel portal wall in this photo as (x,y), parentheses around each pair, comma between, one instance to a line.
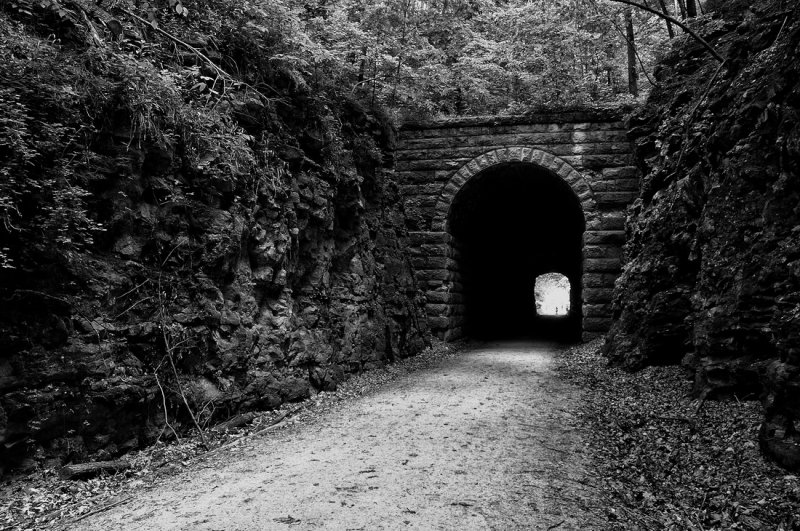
(589,150)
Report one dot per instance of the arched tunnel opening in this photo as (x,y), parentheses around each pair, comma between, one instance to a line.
(512,224)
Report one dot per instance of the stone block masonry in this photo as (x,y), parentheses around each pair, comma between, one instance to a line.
(589,150)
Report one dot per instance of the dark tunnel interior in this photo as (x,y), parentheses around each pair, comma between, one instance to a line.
(510,224)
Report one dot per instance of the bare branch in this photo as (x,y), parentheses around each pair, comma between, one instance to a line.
(92,31)
(678,23)
(164,403)
(170,347)
(624,36)
(220,72)
(186,402)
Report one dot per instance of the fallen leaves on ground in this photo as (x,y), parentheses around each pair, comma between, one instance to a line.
(668,461)
(42,500)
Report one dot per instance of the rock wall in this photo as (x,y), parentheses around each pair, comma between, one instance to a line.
(260,290)
(713,255)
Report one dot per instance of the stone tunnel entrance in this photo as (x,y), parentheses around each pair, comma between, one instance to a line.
(510,224)
(492,202)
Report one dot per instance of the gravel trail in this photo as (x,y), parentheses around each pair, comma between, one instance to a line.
(487,439)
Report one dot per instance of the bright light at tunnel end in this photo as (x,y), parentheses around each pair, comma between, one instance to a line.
(552,294)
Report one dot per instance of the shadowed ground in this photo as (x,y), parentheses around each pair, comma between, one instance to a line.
(485,440)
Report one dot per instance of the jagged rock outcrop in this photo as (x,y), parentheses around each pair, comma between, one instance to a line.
(713,255)
(260,288)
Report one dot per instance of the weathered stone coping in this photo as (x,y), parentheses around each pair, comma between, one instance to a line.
(602,114)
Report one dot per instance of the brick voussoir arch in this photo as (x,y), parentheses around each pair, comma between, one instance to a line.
(494,157)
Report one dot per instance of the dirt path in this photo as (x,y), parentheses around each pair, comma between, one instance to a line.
(485,440)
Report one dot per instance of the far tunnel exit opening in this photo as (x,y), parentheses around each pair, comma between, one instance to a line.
(551,292)
(512,224)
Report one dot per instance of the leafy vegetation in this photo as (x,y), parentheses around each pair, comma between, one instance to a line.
(206,79)
(446,57)
(45,166)
(74,112)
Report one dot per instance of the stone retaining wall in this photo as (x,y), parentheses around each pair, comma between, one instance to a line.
(589,150)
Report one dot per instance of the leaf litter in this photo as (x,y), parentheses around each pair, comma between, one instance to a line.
(667,460)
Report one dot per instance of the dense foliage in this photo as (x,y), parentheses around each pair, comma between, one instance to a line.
(422,57)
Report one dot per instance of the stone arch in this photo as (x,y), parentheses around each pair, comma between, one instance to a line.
(541,158)
(448,294)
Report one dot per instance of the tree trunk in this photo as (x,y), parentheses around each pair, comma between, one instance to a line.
(682,6)
(633,73)
(375,72)
(669,24)
(460,104)
(691,8)
(363,66)
(400,55)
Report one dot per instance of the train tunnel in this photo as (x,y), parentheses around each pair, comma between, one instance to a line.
(512,224)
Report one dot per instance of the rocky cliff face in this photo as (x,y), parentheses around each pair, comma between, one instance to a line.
(713,254)
(259,289)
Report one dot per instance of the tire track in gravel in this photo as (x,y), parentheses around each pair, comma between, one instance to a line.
(488,439)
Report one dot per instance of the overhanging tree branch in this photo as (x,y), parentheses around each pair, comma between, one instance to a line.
(219,71)
(678,23)
(625,37)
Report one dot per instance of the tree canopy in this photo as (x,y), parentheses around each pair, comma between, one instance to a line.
(450,57)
